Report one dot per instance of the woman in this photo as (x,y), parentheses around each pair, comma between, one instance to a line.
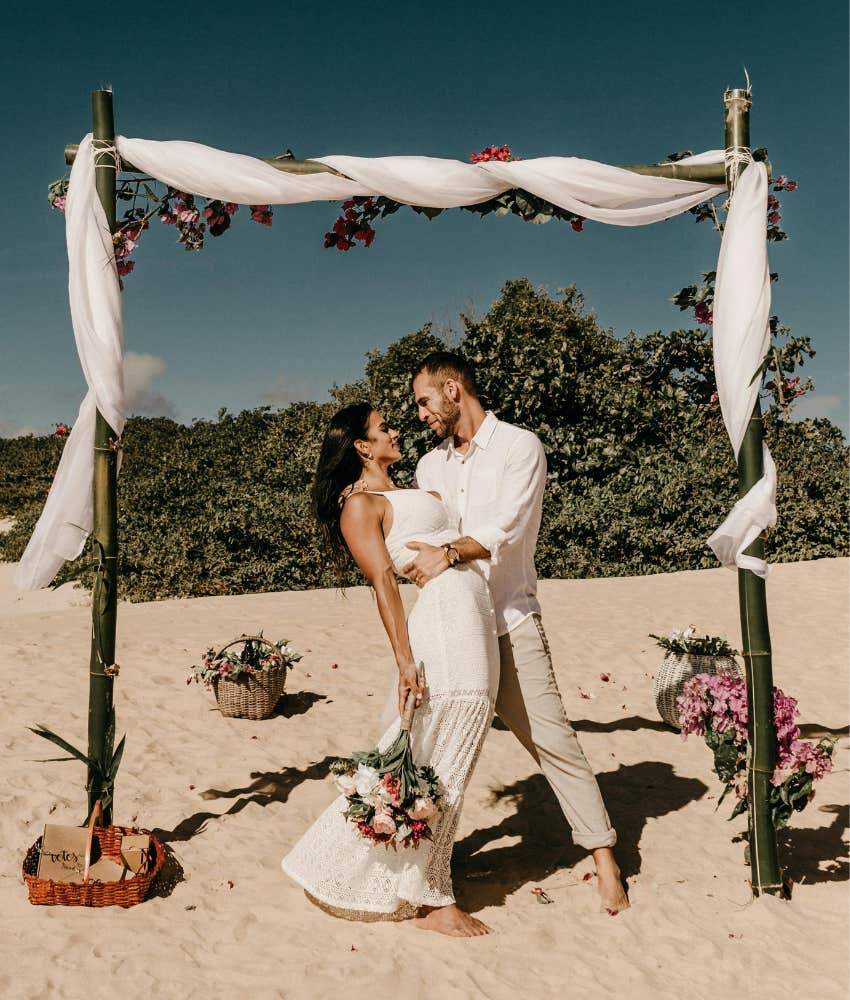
(451,629)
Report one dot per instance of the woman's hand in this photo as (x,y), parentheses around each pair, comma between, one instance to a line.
(409,680)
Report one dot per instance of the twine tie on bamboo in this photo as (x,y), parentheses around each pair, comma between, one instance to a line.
(106,148)
(735,159)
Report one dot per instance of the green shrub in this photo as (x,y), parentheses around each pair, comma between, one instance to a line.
(640,468)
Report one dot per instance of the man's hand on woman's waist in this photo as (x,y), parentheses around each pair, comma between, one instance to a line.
(433,559)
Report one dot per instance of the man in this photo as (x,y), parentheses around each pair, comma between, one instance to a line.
(493,476)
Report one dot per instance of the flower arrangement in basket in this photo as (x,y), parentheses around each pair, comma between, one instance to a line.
(390,798)
(688,654)
(715,707)
(247,682)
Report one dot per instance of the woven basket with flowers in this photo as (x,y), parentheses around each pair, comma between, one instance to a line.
(688,654)
(248,681)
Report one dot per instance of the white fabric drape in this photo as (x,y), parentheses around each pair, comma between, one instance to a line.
(594,190)
(741,339)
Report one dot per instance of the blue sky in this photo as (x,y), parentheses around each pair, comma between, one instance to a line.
(267,315)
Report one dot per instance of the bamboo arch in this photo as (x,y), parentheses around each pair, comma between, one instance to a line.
(756,646)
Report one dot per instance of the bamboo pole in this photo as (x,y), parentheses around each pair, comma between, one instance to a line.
(755,632)
(101,723)
(706,173)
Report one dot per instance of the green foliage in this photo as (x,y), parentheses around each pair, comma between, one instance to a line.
(104,771)
(640,468)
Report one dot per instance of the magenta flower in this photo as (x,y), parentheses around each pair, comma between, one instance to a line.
(261,214)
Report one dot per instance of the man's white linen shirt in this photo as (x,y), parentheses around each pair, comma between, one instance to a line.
(495,493)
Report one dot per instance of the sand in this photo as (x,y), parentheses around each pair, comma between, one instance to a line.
(230,796)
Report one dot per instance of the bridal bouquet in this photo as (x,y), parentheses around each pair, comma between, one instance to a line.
(390,799)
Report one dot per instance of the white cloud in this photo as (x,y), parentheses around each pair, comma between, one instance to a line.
(285,390)
(816,404)
(140,370)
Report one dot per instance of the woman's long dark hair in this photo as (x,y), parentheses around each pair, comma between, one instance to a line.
(339,466)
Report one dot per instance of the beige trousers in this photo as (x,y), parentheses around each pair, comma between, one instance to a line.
(529,703)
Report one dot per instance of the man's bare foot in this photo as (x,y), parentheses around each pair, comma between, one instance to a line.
(450,920)
(612,892)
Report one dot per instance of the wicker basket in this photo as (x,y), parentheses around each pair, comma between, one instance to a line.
(676,669)
(46,892)
(253,696)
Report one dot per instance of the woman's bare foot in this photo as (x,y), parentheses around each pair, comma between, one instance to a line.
(612,893)
(450,920)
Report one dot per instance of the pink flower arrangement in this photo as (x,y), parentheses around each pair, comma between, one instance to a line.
(251,659)
(715,707)
(501,153)
(354,225)
(261,214)
(703,314)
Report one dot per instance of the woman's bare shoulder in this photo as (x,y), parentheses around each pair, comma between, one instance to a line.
(361,506)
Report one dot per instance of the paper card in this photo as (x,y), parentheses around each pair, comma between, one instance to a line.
(63,853)
(63,856)
(135,851)
(107,870)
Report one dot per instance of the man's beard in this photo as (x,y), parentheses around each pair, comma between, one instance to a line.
(449,417)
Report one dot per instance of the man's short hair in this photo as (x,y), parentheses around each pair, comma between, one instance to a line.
(442,365)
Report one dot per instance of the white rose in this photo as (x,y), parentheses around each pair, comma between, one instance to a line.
(366,779)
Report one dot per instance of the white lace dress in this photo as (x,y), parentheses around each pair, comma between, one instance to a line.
(452,630)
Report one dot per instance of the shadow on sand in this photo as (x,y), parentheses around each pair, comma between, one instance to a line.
(803,852)
(633,794)
(265,787)
(296,704)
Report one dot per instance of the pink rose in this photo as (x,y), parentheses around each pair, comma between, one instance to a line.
(422,809)
(383,823)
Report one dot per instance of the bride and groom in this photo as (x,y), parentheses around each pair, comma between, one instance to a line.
(466,537)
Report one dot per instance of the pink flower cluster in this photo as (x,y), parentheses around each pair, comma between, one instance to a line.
(502,153)
(791,387)
(218,214)
(186,217)
(703,313)
(792,753)
(783,184)
(125,240)
(718,703)
(354,224)
(713,701)
(773,206)
(262,214)
(61,430)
